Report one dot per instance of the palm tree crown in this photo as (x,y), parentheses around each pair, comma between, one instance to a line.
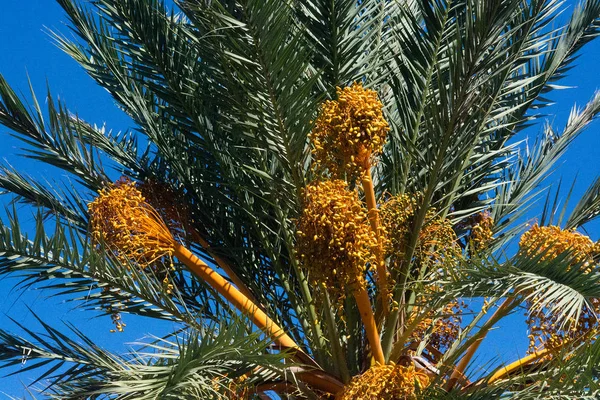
(313,192)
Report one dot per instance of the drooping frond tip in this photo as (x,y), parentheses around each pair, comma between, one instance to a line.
(349,131)
(121,219)
(385,382)
(546,331)
(335,241)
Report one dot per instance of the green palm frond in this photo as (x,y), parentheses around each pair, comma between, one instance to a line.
(345,38)
(528,174)
(63,203)
(588,207)
(555,285)
(53,141)
(198,365)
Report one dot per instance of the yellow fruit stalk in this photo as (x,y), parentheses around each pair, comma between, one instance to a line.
(348,135)
(133,230)
(335,245)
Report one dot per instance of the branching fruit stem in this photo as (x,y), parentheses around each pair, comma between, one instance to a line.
(368,319)
(235,297)
(382,281)
(316,379)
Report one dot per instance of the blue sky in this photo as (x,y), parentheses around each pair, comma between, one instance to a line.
(27,50)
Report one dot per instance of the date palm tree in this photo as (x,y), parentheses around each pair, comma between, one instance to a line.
(329,198)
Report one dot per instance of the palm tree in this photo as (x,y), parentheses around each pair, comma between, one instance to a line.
(313,190)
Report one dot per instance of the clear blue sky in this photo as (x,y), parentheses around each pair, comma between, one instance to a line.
(25,48)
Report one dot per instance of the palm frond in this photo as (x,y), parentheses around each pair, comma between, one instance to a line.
(552,285)
(532,168)
(588,207)
(345,38)
(67,265)
(53,141)
(62,203)
(201,364)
